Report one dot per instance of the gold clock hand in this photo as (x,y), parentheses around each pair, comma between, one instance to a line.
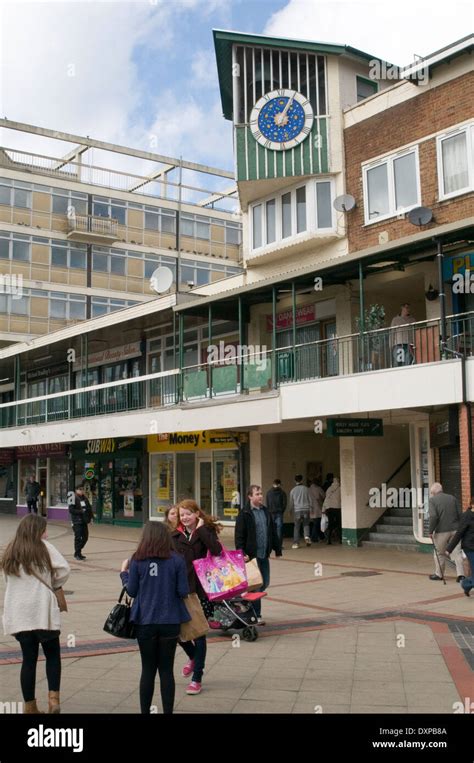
(283,113)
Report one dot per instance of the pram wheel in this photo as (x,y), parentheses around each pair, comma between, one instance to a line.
(250,633)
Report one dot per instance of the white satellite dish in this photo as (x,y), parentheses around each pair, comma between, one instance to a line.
(161,280)
(344,203)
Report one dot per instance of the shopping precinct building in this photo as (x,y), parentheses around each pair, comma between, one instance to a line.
(356,197)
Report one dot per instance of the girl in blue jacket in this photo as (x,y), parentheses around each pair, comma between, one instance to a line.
(156,578)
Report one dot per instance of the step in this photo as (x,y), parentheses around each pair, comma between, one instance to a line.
(394,529)
(402,521)
(392,538)
(392,546)
(399,512)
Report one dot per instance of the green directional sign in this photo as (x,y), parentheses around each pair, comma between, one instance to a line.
(354,427)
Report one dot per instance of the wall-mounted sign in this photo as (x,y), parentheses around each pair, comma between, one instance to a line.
(304,314)
(354,427)
(44,373)
(111,355)
(177,441)
(51,449)
(7,456)
(106,446)
(457,264)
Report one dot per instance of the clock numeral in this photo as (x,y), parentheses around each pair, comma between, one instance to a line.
(306,130)
(281,92)
(253,121)
(305,102)
(266,97)
(267,144)
(257,134)
(283,146)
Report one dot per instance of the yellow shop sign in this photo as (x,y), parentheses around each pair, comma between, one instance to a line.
(206,440)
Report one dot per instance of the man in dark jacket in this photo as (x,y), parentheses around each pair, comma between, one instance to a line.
(32,491)
(444,521)
(276,505)
(256,535)
(81,515)
(465,534)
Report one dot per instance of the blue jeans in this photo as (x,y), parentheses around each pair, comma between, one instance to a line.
(264,567)
(278,519)
(468,583)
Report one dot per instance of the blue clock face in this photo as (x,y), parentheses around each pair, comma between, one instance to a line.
(277,128)
(281,119)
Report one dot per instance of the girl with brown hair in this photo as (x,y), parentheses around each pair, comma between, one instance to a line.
(32,567)
(156,578)
(195,535)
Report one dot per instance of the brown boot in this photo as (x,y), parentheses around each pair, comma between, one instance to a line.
(53,702)
(32,708)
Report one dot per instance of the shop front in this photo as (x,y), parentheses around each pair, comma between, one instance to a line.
(205,466)
(112,474)
(49,466)
(8,480)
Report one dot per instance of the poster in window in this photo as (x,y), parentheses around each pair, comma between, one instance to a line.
(230,481)
(128,504)
(163,480)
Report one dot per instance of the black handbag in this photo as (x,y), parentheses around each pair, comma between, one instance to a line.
(118,622)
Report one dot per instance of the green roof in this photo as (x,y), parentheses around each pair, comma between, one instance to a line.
(224,40)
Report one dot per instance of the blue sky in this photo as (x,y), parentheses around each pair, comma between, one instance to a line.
(143,73)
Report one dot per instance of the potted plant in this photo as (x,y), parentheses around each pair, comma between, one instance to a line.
(374,318)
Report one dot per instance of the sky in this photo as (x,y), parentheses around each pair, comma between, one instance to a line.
(143,73)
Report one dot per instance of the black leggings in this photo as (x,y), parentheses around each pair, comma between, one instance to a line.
(29,642)
(157,644)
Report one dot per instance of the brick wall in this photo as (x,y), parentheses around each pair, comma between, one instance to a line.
(464,455)
(432,111)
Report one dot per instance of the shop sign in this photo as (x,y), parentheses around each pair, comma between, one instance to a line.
(458,264)
(177,441)
(111,355)
(107,445)
(54,449)
(231,512)
(43,373)
(304,314)
(7,456)
(355,427)
(444,433)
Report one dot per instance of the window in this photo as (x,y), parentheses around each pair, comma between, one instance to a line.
(152,221)
(114,208)
(77,259)
(21,250)
(117,265)
(365,88)
(4,249)
(65,257)
(19,305)
(21,198)
(63,199)
(391,186)
(232,234)
(5,195)
(307,208)
(59,257)
(57,308)
(100,262)
(456,162)
(67,306)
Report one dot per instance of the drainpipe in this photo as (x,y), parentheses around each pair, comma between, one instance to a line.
(274,355)
(361,316)
(442,295)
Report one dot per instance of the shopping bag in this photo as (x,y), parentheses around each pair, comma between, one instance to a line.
(197,626)
(223,576)
(118,622)
(254,576)
(324,523)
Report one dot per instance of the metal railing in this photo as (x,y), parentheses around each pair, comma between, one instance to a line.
(102,226)
(252,372)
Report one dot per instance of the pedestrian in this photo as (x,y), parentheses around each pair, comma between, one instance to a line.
(444,514)
(276,504)
(195,535)
(300,502)
(328,481)
(256,535)
(156,578)
(32,567)
(317,500)
(81,516)
(465,534)
(402,340)
(171,517)
(32,491)
(332,507)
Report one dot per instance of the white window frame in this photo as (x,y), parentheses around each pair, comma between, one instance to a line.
(389,161)
(468,129)
(311,214)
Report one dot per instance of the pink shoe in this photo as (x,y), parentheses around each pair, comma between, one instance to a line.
(188,668)
(193,688)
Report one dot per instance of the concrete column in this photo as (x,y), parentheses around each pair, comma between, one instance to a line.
(465,456)
(263,459)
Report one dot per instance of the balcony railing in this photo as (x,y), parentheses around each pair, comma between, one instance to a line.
(88,227)
(252,372)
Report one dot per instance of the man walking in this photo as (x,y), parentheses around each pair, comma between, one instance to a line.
(81,515)
(256,535)
(445,514)
(276,505)
(317,499)
(32,491)
(300,502)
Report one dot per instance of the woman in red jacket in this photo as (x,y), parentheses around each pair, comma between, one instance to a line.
(195,535)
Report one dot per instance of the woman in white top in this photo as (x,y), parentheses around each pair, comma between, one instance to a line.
(31,610)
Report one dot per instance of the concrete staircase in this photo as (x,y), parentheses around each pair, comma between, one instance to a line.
(394,530)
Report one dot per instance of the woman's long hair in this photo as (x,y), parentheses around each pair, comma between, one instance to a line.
(154,543)
(27,550)
(209,521)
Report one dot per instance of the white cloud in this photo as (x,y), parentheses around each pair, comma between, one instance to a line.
(394,31)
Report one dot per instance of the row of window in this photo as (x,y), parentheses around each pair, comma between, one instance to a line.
(61,305)
(392,185)
(18,194)
(306,208)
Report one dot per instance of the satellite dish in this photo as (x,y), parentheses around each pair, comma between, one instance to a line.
(344,203)
(161,280)
(420,215)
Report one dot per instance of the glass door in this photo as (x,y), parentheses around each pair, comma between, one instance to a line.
(226,484)
(205,485)
(42,479)
(422,476)
(106,495)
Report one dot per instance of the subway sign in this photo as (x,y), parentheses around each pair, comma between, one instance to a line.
(354,428)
